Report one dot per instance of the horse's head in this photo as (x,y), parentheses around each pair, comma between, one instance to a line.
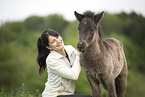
(88,28)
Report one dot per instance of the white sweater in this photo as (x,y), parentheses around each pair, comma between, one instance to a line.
(61,73)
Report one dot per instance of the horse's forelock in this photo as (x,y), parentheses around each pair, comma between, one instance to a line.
(88,14)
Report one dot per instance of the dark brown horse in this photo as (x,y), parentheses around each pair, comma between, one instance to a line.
(103,60)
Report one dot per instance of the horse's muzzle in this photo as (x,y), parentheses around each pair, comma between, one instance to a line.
(81,46)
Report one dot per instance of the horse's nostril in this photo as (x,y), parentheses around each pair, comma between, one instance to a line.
(78,45)
(81,46)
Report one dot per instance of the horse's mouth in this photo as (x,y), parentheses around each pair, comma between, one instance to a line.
(81,50)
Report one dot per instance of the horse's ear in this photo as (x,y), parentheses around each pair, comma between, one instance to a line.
(98,17)
(78,16)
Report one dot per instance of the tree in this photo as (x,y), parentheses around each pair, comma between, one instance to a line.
(34,23)
(10,30)
(56,22)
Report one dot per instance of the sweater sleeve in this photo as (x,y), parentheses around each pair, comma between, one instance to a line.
(64,71)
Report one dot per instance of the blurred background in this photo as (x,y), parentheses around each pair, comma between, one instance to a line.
(22,21)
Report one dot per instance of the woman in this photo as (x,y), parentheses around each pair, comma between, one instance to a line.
(62,64)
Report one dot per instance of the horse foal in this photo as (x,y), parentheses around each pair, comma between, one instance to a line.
(103,60)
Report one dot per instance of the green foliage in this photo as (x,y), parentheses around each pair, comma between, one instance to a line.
(135,87)
(71,34)
(34,23)
(22,93)
(38,23)
(19,75)
(134,27)
(56,22)
(10,30)
(82,85)
(111,23)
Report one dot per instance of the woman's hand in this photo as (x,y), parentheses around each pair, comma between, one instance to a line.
(78,54)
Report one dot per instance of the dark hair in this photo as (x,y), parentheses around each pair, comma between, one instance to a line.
(43,52)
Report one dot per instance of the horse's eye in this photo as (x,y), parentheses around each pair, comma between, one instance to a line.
(92,30)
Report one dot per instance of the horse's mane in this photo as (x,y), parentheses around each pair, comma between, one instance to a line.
(100,31)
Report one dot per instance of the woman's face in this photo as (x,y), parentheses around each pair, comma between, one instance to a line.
(55,43)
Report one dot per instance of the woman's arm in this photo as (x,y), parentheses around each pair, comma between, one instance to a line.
(62,70)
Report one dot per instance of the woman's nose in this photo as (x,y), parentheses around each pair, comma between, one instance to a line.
(58,40)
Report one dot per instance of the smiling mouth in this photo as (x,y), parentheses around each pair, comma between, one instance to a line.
(60,44)
(57,46)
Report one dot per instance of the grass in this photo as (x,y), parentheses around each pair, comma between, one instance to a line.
(22,93)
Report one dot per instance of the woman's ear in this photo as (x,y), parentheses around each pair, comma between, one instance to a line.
(48,47)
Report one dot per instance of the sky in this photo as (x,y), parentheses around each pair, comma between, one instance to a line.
(15,10)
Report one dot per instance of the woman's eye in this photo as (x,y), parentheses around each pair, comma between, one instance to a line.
(53,41)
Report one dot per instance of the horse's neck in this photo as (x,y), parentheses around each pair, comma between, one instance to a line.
(96,47)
